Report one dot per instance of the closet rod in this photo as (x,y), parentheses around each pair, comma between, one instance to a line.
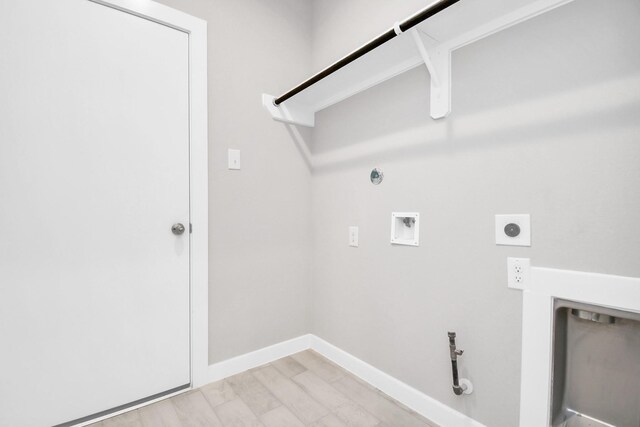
(409,23)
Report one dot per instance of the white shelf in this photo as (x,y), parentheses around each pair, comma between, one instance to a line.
(429,43)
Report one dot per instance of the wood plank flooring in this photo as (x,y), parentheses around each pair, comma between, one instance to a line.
(302,390)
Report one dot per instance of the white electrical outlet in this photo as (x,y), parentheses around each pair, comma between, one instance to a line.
(518,272)
(353,236)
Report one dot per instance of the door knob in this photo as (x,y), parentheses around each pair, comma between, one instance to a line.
(177,229)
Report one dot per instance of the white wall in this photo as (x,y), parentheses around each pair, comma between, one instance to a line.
(259,216)
(545,121)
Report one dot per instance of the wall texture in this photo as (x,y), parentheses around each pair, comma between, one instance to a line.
(546,121)
(259,223)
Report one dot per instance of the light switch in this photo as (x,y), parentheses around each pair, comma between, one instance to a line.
(353,236)
(234,159)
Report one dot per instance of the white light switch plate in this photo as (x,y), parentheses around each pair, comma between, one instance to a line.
(523,221)
(234,159)
(353,236)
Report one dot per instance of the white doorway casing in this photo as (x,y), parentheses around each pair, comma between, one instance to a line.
(547,284)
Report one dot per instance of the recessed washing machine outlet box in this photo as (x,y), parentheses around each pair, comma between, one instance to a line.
(405,228)
(513,230)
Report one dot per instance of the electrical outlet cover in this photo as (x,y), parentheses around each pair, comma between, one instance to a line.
(522,221)
(518,272)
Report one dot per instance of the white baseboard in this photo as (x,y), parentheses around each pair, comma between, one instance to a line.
(426,406)
(247,361)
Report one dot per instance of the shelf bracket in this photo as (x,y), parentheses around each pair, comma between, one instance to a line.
(289,112)
(438,62)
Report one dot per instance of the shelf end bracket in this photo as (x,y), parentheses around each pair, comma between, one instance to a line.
(288,112)
(438,62)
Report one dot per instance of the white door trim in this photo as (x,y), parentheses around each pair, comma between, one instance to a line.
(198,177)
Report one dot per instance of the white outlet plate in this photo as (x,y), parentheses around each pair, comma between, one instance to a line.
(353,236)
(518,272)
(523,221)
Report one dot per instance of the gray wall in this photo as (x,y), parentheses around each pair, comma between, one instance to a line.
(260,256)
(545,120)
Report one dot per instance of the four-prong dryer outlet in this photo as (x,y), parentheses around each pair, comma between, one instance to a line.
(513,230)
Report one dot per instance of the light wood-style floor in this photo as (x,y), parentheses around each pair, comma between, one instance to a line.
(304,389)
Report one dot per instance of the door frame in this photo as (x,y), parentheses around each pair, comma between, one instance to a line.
(196,29)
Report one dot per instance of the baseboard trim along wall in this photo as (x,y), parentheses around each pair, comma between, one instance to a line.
(426,406)
(423,404)
(265,355)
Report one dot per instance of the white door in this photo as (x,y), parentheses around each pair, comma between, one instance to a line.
(94,171)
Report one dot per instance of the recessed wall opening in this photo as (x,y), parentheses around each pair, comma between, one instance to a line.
(596,366)
(405,228)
